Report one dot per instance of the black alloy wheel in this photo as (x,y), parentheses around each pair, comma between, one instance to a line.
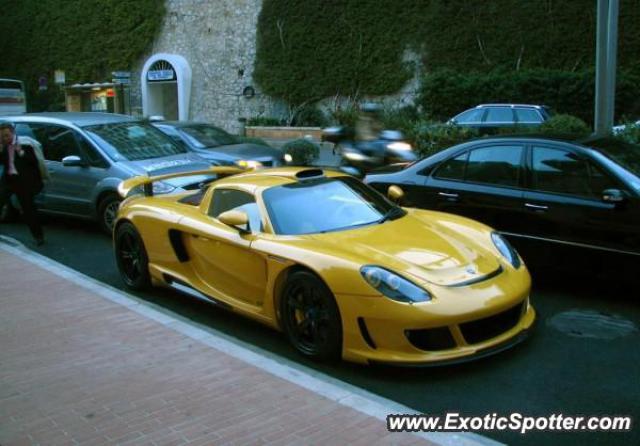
(310,317)
(131,257)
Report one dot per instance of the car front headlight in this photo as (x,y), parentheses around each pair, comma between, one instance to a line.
(505,248)
(399,146)
(394,286)
(160,187)
(249,164)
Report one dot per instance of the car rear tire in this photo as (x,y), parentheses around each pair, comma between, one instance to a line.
(310,317)
(131,257)
(108,212)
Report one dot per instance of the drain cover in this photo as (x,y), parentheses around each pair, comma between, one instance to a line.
(592,324)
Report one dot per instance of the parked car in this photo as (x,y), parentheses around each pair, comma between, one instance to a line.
(488,118)
(89,154)
(553,193)
(218,146)
(339,268)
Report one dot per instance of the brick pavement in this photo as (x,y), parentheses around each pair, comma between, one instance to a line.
(78,369)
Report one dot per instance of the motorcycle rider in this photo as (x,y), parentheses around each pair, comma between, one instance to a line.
(367,131)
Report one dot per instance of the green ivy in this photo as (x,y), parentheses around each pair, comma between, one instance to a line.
(312,49)
(88,39)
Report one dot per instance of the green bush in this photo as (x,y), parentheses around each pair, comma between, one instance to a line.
(303,152)
(428,138)
(445,93)
(565,125)
(265,121)
(310,116)
(252,140)
(631,133)
(403,119)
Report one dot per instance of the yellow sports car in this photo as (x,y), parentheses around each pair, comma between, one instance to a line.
(341,269)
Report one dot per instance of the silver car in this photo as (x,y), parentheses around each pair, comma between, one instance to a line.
(89,154)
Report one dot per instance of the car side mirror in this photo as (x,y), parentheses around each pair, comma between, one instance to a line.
(395,194)
(613,196)
(235,219)
(73,161)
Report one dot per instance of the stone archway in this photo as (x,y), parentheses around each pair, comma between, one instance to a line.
(166,87)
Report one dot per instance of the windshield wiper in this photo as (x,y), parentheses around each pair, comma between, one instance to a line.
(392,214)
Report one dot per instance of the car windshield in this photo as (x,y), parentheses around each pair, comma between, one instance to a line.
(207,136)
(326,204)
(623,153)
(133,141)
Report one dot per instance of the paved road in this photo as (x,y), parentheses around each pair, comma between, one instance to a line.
(583,359)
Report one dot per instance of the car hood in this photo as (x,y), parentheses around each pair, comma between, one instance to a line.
(427,250)
(170,164)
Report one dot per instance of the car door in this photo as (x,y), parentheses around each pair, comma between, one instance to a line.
(71,188)
(564,201)
(482,183)
(222,256)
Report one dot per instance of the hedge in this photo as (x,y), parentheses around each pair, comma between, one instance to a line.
(88,39)
(311,49)
(445,93)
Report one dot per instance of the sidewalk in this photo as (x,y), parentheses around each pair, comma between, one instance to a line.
(79,368)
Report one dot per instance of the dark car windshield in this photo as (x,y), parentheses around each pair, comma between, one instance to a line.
(207,136)
(326,204)
(622,152)
(133,141)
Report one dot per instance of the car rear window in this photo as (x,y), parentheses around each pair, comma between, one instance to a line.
(133,141)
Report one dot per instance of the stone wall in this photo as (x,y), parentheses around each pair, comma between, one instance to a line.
(218,40)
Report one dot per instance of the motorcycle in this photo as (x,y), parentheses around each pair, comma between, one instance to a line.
(361,157)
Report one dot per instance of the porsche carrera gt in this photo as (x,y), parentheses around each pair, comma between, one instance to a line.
(342,270)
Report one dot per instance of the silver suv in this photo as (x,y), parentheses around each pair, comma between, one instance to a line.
(89,154)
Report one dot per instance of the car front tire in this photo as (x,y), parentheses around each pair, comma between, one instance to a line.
(310,317)
(131,257)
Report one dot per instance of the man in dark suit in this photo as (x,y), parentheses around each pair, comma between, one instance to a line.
(21,176)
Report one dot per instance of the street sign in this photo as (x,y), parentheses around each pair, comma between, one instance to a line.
(59,77)
(121,74)
(121,80)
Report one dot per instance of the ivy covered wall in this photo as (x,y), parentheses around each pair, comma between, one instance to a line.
(86,38)
(310,49)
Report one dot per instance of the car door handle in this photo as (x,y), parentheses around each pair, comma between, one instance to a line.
(536,207)
(449,195)
(199,237)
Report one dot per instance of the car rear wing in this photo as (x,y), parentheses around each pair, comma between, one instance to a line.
(146,182)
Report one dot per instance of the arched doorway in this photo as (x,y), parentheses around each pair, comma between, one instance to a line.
(166,87)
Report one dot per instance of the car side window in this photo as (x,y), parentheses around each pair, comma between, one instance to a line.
(453,169)
(234,200)
(561,171)
(499,114)
(496,165)
(470,116)
(57,141)
(91,154)
(528,115)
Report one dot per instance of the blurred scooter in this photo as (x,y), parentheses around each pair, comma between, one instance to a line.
(361,157)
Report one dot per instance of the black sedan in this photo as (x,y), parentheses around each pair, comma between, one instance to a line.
(541,193)
(218,146)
